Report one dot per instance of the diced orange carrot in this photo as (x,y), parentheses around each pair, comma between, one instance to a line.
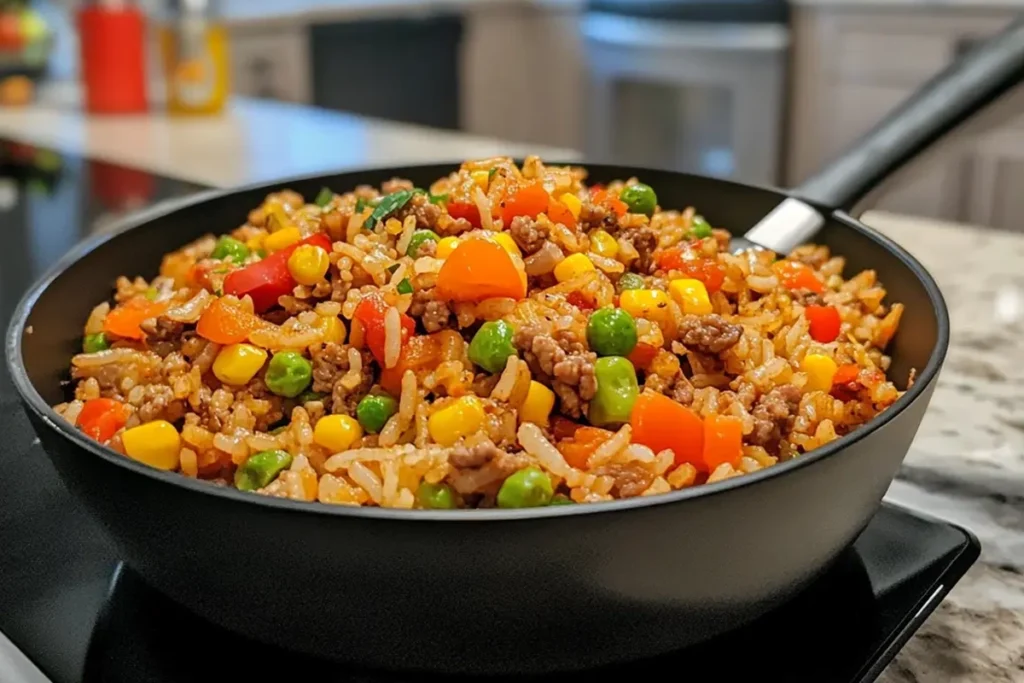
(526,201)
(659,422)
(723,441)
(124,320)
(478,270)
(583,443)
(225,321)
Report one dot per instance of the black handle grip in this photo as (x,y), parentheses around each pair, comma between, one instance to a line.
(963,89)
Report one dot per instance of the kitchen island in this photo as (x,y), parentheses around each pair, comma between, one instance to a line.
(966,465)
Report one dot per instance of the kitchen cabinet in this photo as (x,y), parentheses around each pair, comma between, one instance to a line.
(522,73)
(271,61)
(853,64)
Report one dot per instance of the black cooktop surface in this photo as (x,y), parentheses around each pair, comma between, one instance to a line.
(67,603)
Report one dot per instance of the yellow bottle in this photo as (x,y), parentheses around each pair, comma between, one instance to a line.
(195,54)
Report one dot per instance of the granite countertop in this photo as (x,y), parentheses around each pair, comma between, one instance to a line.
(967,462)
(966,465)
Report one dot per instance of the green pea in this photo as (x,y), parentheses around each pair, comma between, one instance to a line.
(631,281)
(492,345)
(529,488)
(94,343)
(611,332)
(700,227)
(375,410)
(417,240)
(230,249)
(261,469)
(288,374)
(435,496)
(307,396)
(617,391)
(640,198)
(562,499)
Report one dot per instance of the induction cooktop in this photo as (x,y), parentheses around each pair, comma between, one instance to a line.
(70,611)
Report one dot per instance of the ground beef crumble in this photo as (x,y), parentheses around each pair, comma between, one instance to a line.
(631,479)
(435,315)
(163,335)
(330,364)
(565,362)
(773,414)
(426,213)
(645,241)
(709,334)
(528,233)
(500,463)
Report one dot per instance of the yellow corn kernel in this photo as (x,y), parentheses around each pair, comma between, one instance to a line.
(572,202)
(156,444)
(255,243)
(238,363)
(337,433)
(461,418)
(820,370)
(573,267)
(446,246)
(277,219)
(506,242)
(691,295)
(538,404)
(308,264)
(332,328)
(282,239)
(603,244)
(481,178)
(651,304)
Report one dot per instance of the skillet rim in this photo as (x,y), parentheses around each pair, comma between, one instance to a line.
(33,400)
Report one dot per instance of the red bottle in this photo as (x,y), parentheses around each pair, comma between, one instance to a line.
(113,57)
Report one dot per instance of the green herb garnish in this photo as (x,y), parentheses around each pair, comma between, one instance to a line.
(324,197)
(388,205)
(392,268)
(492,173)
(360,205)
(405,287)
(438,198)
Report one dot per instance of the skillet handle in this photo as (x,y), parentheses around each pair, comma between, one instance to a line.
(955,95)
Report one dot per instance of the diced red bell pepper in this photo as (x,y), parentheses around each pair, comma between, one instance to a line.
(370,313)
(268,280)
(795,275)
(467,210)
(642,355)
(824,322)
(686,261)
(100,418)
(581,301)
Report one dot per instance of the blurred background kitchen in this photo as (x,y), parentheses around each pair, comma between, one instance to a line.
(758,90)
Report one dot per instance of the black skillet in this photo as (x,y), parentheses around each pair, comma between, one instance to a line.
(509,590)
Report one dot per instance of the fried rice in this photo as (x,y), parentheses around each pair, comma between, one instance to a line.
(507,337)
